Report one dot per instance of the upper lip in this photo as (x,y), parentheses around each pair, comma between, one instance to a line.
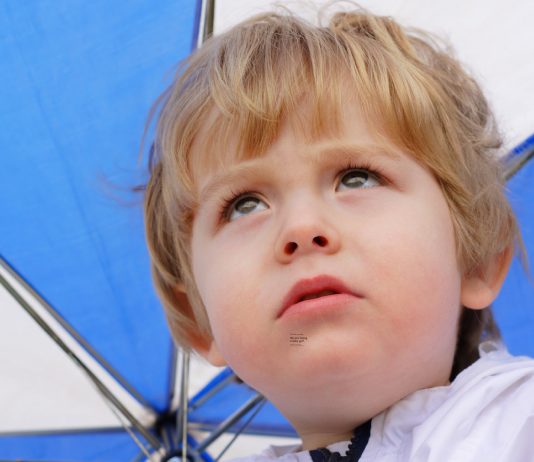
(312,286)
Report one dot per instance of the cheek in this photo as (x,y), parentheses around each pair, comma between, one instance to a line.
(421,243)
(228,288)
(416,271)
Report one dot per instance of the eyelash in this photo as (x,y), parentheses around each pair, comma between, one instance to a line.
(229,200)
(234,195)
(368,167)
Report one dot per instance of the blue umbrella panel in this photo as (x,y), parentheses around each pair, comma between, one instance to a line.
(514,308)
(78,80)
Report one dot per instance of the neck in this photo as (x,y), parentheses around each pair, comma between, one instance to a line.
(322,440)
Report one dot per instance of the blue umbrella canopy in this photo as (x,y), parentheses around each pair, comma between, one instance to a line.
(514,308)
(77,84)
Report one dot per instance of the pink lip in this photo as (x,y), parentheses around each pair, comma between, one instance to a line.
(311,286)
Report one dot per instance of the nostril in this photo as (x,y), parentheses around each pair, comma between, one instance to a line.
(320,241)
(291,247)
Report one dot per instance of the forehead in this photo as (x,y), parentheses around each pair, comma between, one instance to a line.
(221,143)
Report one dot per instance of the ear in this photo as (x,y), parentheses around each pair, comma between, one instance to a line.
(481,288)
(205,347)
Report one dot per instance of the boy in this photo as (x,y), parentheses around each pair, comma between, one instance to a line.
(326,216)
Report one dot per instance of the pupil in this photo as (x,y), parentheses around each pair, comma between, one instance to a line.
(246,205)
(355,178)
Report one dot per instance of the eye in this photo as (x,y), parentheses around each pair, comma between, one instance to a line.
(244,205)
(357,178)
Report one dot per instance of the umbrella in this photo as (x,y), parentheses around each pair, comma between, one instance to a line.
(77,85)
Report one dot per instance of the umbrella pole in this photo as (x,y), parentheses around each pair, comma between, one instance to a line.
(207,19)
(181,415)
(205,30)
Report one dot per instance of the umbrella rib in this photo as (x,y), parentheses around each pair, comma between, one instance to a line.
(72,331)
(93,378)
(129,431)
(518,157)
(231,420)
(247,422)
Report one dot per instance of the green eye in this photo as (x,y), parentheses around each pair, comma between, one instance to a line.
(245,205)
(357,178)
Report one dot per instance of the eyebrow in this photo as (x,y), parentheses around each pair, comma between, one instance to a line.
(324,154)
(229,177)
(337,150)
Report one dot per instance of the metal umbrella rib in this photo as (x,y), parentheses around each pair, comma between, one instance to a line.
(74,334)
(100,386)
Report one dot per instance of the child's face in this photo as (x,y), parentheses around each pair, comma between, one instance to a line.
(315,213)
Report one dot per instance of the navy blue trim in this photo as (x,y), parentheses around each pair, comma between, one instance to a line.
(320,455)
(526,145)
(360,440)
(357,445)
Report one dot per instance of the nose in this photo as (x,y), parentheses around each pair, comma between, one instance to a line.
(306,235)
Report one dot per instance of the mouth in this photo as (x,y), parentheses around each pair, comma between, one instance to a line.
(313,288)
(322,293)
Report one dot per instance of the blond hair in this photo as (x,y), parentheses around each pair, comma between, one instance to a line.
(248,79)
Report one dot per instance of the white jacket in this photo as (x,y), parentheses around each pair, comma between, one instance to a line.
(485,415)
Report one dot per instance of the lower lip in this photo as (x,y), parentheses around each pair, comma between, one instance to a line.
(328,304)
